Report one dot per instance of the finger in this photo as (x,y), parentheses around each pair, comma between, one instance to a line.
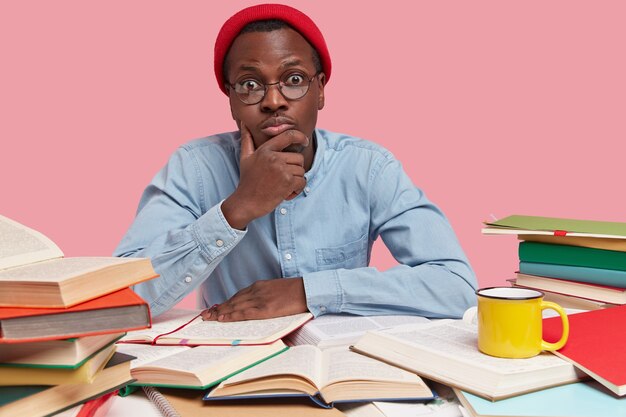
(298,185)
(206,314)
(291,158)
(247,144)
(295,170)
(252,313)
(288,137)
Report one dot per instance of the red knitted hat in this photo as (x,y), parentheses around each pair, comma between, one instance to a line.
(294,18)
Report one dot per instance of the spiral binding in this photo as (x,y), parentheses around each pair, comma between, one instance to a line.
(160,402)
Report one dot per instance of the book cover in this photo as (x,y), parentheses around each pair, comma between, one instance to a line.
(116,312)
(609,277)
(521,224)
(596,345)
(581,399)
(603,293)
(571,255)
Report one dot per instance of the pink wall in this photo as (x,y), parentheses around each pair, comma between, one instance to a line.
(493,107)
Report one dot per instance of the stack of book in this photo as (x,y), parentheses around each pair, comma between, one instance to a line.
(59,321)
(576,263)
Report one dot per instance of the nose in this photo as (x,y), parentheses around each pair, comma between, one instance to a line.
(273,100)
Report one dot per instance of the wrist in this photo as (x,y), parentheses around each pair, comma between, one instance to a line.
(235,213)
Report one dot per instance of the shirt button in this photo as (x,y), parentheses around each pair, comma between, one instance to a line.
(219,243)
(307,189)
(283,211)
(288,256)
(187,280)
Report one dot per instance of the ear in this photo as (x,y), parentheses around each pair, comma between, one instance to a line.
(321,82)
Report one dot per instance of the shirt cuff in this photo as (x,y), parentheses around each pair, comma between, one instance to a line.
(323,292)
(213,233)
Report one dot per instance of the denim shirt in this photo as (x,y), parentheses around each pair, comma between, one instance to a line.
(356,192)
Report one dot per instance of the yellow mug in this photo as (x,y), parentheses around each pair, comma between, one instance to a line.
(509,322)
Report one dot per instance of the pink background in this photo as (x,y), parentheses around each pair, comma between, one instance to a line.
(493,107)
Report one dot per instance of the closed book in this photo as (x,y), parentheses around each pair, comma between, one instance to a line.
(537,225)
(600,276)
(585,242)
(113,313)
(572,255)
(596,345)
(581,399)
(326,376)
(34,375)
(34,273)
(603,293)
(41,401)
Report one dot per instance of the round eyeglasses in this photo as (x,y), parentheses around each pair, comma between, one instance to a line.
(293,86)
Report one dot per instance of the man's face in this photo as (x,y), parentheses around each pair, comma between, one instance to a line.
(269,57)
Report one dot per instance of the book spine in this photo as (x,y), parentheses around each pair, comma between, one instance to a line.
(608,277)
(572,255)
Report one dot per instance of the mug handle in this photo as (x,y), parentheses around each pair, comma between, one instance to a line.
(558,345)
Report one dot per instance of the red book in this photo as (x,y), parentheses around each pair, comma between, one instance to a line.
(112,313)
(596,344)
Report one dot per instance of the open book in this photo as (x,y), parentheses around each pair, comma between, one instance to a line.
(326,376)
(343,329)
(447,351)
(186,327)
(34,273)
(198,367)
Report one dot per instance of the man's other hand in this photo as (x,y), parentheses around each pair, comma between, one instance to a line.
(262,300)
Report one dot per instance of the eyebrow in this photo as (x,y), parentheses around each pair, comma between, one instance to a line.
(284,65)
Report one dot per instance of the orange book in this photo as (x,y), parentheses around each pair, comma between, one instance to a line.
(112,313)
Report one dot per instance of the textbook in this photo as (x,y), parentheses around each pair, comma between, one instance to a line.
(581,399)
(600,276)
(186,327)
(535,225)
(34,273)
(570,301)
(34,375)
(63,353)
(613,295)
(326,376)
(113,313)
(572,255)
(39,401)
(595,345)
(199,367)
(344,329)
(585,242)
(447,351)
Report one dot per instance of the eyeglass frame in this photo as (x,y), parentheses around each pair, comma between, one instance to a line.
(267,86)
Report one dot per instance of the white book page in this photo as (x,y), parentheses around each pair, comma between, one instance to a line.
(458,341)
(341,364)
(59,270)
(20,245)
(164,323)
(238,330)
(148,353)
(337,329)
(199,358)
(302,360)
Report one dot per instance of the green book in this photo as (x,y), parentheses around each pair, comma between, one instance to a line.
(572,255)
(520,224)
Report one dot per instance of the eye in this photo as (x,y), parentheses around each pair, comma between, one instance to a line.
(249,85)
(295,80)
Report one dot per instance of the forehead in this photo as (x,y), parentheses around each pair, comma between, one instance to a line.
(268,51)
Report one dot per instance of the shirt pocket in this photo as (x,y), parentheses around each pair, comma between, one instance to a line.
(348,256)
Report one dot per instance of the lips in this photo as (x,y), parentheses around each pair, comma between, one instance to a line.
(276,125)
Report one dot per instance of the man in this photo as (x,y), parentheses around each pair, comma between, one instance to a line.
(280,217)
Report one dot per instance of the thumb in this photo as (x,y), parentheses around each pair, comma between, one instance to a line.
(247,144)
